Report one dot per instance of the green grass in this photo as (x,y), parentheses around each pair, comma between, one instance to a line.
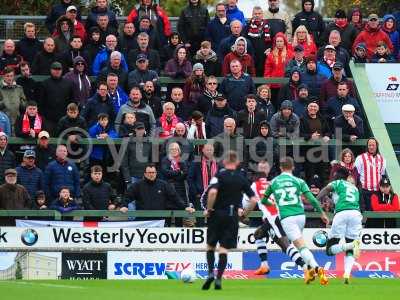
(290,289)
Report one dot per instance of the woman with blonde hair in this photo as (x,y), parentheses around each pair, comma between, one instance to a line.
(276,61)
(303,38)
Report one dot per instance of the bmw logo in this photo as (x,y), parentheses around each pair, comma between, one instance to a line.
(320,238)
(29,237)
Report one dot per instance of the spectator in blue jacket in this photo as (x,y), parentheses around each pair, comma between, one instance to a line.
(60,173)
(30,176)
(101,130)
(116,93)
(5,124)
(312,78)
(236,86)
(218,28)
(103,56)
(64,203)
(389,26)
(233,12)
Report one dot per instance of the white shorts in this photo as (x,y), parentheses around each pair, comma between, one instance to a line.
(346,224)
(293,226)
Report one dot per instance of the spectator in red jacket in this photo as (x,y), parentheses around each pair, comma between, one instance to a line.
(276,62)
(239,52)
(384,201)
(158,17)
(71,13)
(303,38)
(372,35)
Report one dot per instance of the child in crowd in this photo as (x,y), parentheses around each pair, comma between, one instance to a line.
(360,54)
(382,54)
(64,203)
(101,131)
(127,128)
(40,200)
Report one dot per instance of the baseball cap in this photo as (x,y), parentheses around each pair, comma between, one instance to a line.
(298,48)
(29,153)
(340,14)
(384,181)
(43,134)
(337,65)
(361,46)
(56,65)
(330,47)
(220,98)
(348,107)
(10,171)
(71,7)
(141,57)
(372,17)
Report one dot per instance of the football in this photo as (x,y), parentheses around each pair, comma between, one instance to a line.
(188,275)
(320,238)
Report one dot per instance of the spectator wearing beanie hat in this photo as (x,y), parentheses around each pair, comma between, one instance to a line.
(285,123)
(348,32)
(194,87)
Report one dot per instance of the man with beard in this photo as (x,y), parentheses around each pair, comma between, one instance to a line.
(151,99)
(141,110)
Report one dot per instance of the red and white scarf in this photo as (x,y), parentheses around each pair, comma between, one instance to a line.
(175,164)
(26,126)
(204,171)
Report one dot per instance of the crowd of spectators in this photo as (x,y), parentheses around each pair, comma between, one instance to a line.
(104,83)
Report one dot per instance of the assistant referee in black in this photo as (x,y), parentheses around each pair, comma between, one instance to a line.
(224,207)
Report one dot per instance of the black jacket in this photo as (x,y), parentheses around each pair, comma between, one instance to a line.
(153,195)
(175,178)
(312,20)
(56,94)
(155,104)
(127,43)
(66,123)
(348,35)
(95,106)
(44,156)
(28,48)
(205,102)
(7,161)
(192,23)
(250,132)
(137,157)
(121,73)
(31,88)
(42,62)
(347,130)
(97,196)
(305,131)
(152,55)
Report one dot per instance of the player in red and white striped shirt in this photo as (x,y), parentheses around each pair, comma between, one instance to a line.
(271,227)
(370,166)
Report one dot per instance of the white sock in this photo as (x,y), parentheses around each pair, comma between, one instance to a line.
(293,253)
(262,251)
(308,257)
(335,249)
(348,264)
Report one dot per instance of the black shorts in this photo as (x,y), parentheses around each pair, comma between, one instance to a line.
(222,229)
(273,230)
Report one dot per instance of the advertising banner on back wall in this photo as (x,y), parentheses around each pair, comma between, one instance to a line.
(385,83)
(102,239)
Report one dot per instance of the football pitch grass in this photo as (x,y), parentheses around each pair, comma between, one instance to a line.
(174,289)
